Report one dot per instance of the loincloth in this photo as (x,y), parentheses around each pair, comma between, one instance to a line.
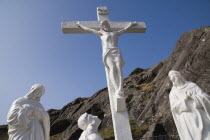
(115,56)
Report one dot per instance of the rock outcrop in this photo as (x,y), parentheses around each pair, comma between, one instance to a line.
(147,93)
(3,132)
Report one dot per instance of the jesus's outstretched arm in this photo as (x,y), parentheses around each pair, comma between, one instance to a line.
(88,29)
(120,32)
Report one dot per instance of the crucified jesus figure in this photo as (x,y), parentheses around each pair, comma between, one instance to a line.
(112,57)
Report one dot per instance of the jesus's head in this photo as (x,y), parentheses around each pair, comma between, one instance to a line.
(104,25)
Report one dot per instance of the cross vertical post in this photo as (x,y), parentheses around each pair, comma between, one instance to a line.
(119,112)
(120,119)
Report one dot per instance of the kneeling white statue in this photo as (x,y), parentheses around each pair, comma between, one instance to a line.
(89,124)
(27,119)
(190,108)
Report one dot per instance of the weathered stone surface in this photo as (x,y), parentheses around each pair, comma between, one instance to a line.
(146,92)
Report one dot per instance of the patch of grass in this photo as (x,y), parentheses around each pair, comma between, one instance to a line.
(107,133)
(4,137)
(139,87)
(138,131)
(146,87)
(133,122)
(56,137)
(174,139)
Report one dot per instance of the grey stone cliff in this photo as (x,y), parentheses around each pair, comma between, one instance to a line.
(147,93)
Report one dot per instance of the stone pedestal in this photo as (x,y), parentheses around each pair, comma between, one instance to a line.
(120,105)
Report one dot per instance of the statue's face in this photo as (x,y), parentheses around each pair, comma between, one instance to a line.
(174,76)
(96,119)
(105,25)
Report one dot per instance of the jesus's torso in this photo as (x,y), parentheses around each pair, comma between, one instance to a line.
(109,40)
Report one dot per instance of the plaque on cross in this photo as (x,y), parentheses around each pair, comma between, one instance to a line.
(109,32)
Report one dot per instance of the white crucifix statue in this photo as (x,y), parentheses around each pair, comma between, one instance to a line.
(109,32)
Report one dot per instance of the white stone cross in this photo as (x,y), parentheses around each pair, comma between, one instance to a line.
(119,112)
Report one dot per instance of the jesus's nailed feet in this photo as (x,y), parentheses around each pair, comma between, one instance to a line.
(120,93)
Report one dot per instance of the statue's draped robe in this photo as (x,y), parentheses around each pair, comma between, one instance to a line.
(191,114)
(22,123)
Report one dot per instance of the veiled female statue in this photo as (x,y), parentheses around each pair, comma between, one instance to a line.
(27,119)
(112,57)
(190,108)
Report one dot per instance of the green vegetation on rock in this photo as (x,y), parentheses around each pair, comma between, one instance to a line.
(4,137)
(137,131)
(107,133)
(146,87)
(56,137)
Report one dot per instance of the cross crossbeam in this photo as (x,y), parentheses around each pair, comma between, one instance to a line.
(70,27)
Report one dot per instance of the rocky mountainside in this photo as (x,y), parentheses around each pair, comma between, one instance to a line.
(147,93)
(3,132)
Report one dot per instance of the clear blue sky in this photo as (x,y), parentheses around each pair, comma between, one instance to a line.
(33,48)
